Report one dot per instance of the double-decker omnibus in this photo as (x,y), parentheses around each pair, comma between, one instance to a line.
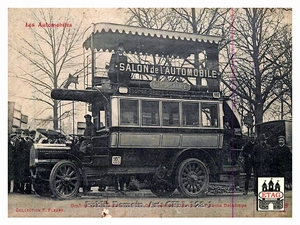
(163,115)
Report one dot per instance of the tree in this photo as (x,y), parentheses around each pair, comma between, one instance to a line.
(156,18)
(259,59)
(51,53)
(283,69)
(255,59)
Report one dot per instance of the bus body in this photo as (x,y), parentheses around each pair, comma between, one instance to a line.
(166,128)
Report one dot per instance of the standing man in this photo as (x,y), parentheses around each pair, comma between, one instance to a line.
(19,158)
(85,145)
(266,153)
(261,164)
(248,160)
(282,162)
(89,132)
(11,150)
(29,140)
(113,72)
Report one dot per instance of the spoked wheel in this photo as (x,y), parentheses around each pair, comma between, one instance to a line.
(64,180)
(192,178)
(162,189)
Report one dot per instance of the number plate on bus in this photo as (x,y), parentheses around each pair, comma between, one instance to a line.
(116,160)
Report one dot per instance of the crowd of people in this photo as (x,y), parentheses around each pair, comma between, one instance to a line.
(19,144)
(263,160)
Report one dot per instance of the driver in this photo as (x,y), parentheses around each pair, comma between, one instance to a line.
(89,132)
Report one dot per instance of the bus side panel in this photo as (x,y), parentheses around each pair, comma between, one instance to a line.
(165,140)
(140,158)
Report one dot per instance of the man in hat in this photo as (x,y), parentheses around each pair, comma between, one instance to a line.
(261,152)
(28,142)
(282,162)
(248,159)
(21,162)
(89,132)
(11,150)
(266,153)
(83,144)
(113,69)
(32,134)
(18,159)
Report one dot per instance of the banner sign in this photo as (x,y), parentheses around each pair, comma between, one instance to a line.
(172,86)
(167,70)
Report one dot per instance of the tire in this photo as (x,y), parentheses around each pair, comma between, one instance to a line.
(192,178)
(161,189)
(65,180)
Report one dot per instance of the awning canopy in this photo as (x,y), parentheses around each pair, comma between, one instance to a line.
(139,40)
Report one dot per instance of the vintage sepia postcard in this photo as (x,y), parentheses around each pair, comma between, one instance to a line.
(150,112)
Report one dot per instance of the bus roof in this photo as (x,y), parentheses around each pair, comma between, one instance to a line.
(140,40)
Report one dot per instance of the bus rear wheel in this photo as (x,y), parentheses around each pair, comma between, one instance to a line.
(192,178)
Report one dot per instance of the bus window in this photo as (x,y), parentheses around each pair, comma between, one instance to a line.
(170,113)
(150,113)
(129,112)
(209,114)
(190,114)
